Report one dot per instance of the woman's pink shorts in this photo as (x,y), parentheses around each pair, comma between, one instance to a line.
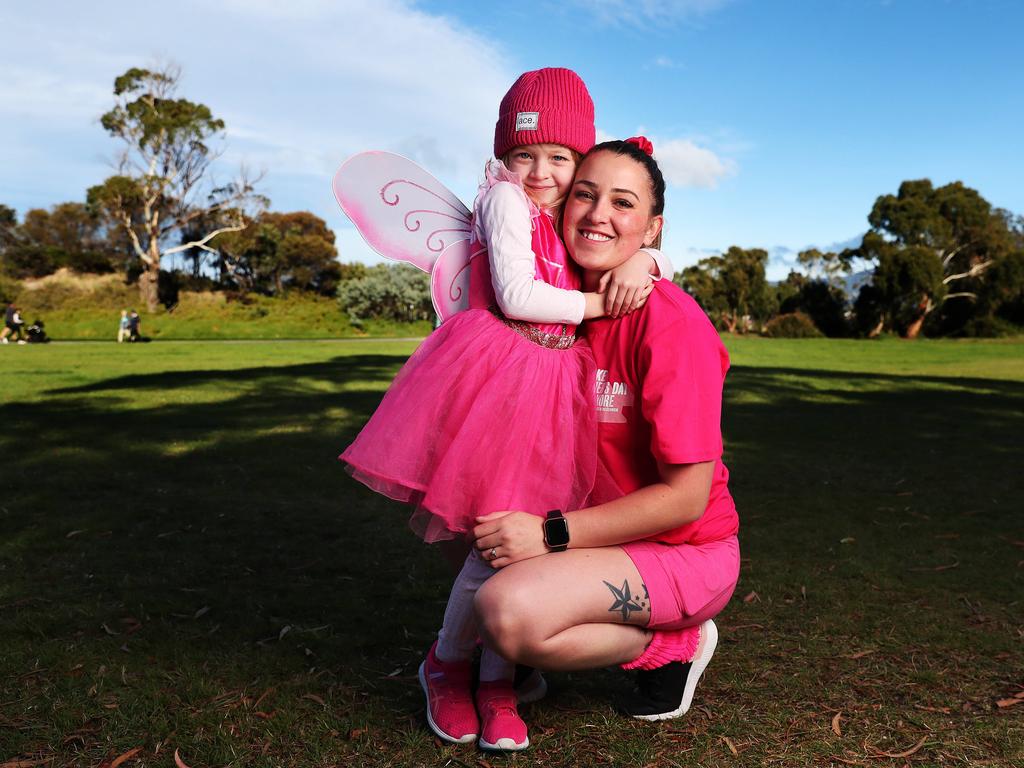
(686,583)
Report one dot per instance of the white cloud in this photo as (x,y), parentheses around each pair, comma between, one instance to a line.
(646,12)
(666,62)
(34,93)
(685,164)
(300,85)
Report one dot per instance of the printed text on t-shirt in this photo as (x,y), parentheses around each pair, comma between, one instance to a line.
(610,398)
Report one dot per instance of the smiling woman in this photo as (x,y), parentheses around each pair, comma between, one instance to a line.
(614,205)
(636,577)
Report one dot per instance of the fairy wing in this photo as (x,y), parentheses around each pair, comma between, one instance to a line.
(405,214)
(449,280)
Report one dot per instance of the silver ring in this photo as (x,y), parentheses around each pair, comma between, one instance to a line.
(494,555)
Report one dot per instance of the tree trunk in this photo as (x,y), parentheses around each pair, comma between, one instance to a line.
(149,282)
(875,332)
(924,307)
(730,321)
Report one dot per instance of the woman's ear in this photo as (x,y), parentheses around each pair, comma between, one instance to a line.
(653,229)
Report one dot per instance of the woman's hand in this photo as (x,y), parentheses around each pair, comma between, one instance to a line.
(513,536)
(627,286)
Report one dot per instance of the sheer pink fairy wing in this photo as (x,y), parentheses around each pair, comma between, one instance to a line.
(449,280)
(401,211)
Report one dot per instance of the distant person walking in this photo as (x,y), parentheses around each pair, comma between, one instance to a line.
(123,327)
(12,325)
(134,326)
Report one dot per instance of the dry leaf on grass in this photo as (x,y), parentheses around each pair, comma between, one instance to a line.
(125,757)
(861,654)
(178,761)
(1017,698)
(940,710)
(314,697)
(937,568)
(752,597)
(835,724)
(731,746)
(905,753)
(25,763)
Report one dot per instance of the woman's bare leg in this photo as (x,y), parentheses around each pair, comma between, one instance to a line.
(579,609)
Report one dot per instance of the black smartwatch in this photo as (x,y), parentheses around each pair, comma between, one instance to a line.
(556,531)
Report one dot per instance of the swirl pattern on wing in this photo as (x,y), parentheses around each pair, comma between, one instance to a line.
(412,219)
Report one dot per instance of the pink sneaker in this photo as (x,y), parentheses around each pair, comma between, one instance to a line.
(450,711)
(503,729)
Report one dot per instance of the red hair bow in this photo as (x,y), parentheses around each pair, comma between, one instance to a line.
(643,144)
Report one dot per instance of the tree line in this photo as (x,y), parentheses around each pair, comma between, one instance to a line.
(936,260)
(163,218)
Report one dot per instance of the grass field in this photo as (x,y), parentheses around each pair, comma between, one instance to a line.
(184,566)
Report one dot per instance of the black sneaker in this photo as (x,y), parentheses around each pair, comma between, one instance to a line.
(530,684)
(667,691)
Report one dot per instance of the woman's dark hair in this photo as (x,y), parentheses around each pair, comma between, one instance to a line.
(649,163)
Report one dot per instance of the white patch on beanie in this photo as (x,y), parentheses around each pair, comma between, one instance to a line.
(527,121)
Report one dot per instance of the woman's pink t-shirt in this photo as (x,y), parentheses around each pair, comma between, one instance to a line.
(658,392)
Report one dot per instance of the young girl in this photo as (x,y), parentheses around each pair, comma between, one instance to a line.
(494,410)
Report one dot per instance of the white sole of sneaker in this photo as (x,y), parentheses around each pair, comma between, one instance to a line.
(504,745)
(469,737)
(705,650)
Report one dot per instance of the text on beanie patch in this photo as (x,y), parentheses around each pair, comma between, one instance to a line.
(527,121)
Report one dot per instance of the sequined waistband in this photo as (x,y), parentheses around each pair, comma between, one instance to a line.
(534,334)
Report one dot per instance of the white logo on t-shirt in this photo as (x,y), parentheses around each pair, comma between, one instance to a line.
(611,397)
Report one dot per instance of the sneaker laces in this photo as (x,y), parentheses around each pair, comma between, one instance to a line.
(501,704)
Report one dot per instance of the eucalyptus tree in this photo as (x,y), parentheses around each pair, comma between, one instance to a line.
(930,245)
(732,287)
(164,182)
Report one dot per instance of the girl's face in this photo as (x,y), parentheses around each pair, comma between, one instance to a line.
(607,217)
(546,171)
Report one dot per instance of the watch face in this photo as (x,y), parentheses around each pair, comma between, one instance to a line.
(556,532)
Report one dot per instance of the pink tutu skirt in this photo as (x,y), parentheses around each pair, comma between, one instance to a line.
(481,419)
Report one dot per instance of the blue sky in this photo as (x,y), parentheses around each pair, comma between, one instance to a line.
(778,122)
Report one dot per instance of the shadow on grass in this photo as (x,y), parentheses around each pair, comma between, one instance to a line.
(196,515)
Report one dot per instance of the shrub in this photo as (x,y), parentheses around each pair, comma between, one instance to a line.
(991,326)
(400,293)
(9,289)
(795,325)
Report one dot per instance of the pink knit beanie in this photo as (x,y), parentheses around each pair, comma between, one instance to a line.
(546,106)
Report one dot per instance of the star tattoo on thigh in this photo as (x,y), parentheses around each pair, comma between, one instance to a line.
(624,600)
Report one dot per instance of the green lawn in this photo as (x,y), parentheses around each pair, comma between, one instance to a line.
(183,565)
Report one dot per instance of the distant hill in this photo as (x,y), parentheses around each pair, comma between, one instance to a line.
(85,307)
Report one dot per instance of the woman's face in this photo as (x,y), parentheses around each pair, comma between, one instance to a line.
(607,216)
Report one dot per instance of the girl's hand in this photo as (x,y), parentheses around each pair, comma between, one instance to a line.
(513,536)
(626,285)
